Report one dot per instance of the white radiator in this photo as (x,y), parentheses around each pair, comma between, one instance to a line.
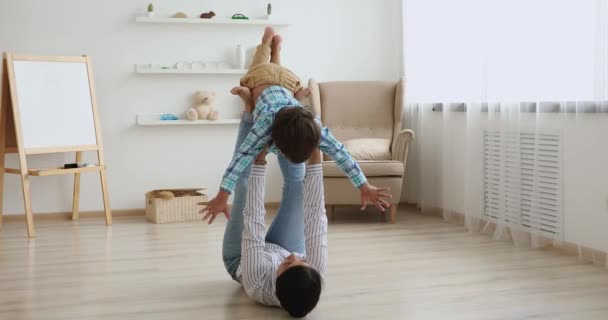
(523,180)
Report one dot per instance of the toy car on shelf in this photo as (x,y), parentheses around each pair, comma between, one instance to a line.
(239,16)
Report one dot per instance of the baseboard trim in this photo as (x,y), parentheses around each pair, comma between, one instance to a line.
(585,254)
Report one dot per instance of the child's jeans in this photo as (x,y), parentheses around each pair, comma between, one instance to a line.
(287,228)
(263,72)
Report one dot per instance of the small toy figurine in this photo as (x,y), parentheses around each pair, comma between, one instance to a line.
(208,15)
(168,117)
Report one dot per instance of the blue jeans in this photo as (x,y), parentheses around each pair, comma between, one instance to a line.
(287,228)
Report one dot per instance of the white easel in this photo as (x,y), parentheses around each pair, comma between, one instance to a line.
(48,106)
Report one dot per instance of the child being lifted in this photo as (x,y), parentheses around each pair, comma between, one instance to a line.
(292,131)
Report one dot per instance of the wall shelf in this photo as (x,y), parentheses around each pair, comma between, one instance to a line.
(142,69)
(213,21)
(154,120)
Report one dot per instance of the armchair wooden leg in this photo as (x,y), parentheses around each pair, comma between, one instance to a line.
(393,213)
(329,209)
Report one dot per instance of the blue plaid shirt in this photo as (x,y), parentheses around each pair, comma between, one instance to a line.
(272,100)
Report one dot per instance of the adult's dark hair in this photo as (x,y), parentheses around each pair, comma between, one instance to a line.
(295,133)
(298,289)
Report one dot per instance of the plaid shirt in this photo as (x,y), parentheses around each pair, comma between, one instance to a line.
(272,100)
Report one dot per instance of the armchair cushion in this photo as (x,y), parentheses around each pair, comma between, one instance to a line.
(385,168)
(369,149)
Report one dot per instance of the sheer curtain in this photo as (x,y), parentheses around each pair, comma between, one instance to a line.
(500,92)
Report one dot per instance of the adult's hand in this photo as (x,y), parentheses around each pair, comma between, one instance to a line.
(217,205)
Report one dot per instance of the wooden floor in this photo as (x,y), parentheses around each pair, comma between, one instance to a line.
(420,268)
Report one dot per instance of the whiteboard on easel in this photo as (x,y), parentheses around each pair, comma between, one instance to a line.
(55,104)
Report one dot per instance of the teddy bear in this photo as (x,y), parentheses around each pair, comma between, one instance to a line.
(204,108)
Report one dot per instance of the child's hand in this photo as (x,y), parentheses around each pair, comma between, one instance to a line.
(302,94)
(375,196)
(216,206)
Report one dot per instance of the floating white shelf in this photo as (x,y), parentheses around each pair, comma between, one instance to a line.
(141,69)
(215,20)
(154,120)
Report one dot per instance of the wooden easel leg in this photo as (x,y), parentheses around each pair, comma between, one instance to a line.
(2,158)
(76,198)
(1,182)
(4,105)
(7,104)
(394,213)
(27,203)
(106,197)
(1,186)
(100,158)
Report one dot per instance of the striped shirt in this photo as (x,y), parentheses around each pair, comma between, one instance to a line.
(271,101)
(260,260)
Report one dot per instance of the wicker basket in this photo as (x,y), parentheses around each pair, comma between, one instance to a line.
(180,208)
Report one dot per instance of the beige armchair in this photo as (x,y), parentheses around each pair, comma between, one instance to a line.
(366,117)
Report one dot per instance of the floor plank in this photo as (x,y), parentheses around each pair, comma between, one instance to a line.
(419,268)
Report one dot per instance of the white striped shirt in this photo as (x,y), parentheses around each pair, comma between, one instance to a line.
(260,260)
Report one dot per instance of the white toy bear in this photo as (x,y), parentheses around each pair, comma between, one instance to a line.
(204,108)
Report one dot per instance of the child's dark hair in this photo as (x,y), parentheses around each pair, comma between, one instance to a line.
(298,289)
(295,133)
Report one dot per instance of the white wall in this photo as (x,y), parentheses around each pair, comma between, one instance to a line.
(330,40)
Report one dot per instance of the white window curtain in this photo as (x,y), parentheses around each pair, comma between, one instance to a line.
(505,50)
(485,71)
